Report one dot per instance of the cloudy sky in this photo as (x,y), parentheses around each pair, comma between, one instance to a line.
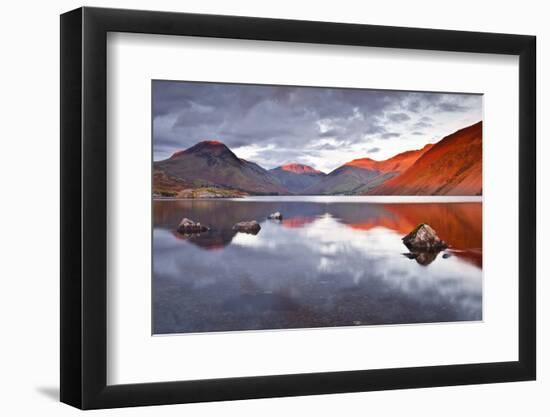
(321,127)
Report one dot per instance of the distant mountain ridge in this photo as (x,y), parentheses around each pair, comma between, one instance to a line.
(298,169)
(452,166)
(361,175)
(297,177)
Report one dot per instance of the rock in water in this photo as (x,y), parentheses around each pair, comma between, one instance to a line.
(423,257)
(275,216)
(423,237)
(188,226)
(251,227)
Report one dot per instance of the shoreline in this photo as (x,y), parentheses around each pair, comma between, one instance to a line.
(338,199)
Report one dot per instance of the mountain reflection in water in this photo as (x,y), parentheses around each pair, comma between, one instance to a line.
(325,264)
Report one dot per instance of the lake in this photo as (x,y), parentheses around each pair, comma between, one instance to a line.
(331,262)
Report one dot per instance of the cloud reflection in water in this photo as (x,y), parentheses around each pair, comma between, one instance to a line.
(337,265)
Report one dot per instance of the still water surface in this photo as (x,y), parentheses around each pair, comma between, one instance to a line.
(331,261)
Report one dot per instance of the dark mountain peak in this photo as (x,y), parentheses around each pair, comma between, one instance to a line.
(206,148)
(210,163)
(209,144)
(298,169)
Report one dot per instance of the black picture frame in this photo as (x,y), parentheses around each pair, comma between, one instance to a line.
(84,207)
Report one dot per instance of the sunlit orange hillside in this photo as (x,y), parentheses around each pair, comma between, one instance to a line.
(453,166)
(360,175)
(399,163)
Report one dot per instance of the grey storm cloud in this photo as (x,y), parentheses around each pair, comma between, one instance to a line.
(423,122)
(452,107)
(399,117)
(422,125)
(390,135)
(298,120)
(331,133)
(437,102)
(373,150)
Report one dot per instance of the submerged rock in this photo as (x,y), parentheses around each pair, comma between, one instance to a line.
(422,257)
(424,238)
(275,216)
(252,227)
(188,226)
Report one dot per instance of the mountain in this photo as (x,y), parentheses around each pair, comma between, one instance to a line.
(361,175)
(297,177)
(343,180)
(453,166)
(212,164)
(398,163)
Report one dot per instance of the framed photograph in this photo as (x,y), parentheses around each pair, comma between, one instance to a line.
(257,208)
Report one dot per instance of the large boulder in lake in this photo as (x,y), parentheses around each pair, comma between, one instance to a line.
(188,226)
(422,257)
(275,216)
(424,238)
(252,227)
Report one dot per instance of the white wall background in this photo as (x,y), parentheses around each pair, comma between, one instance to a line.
(29,220)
